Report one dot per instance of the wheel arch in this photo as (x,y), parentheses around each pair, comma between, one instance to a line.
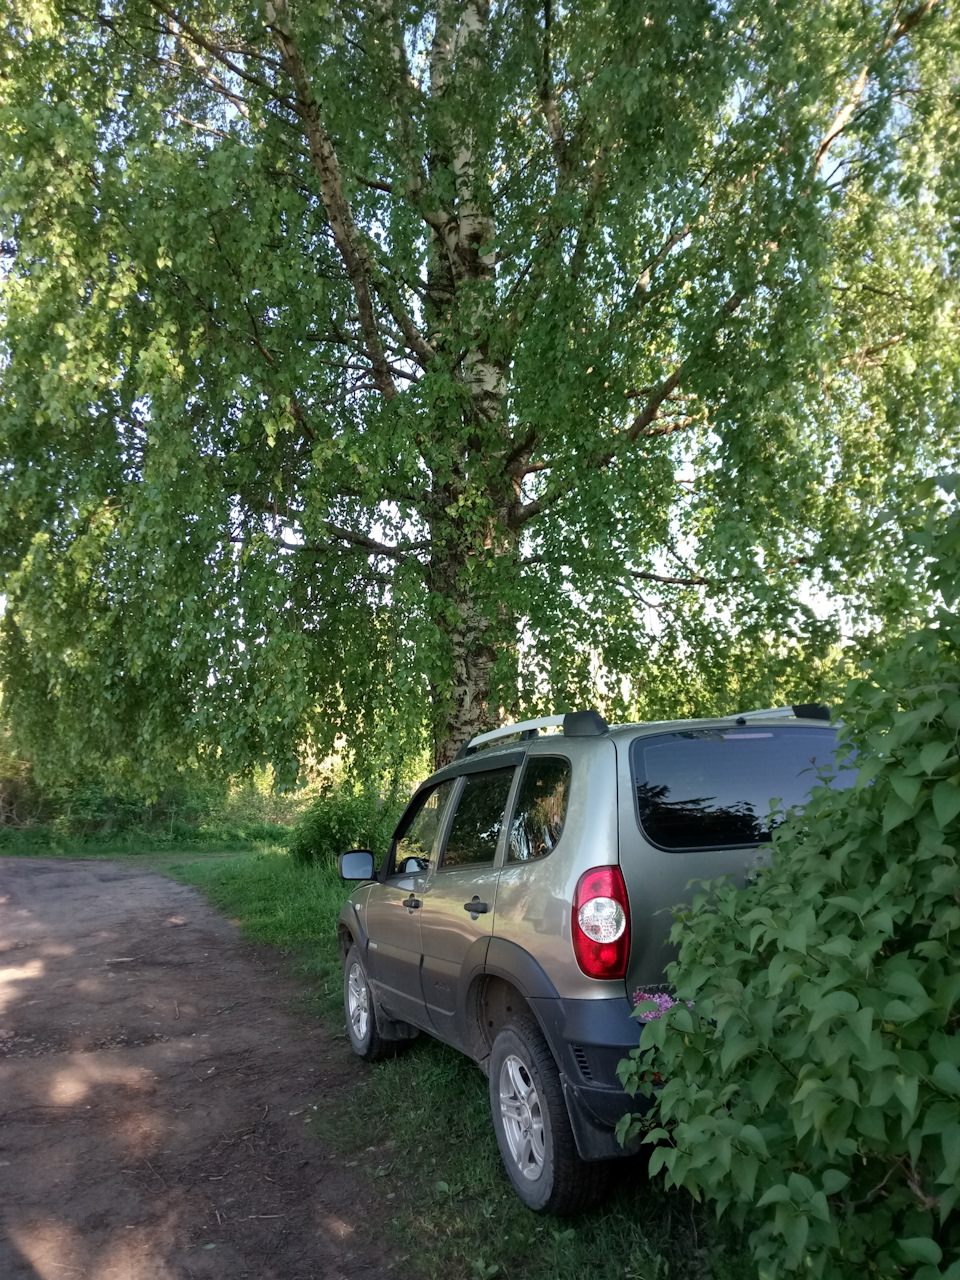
(509,986)
(350,932)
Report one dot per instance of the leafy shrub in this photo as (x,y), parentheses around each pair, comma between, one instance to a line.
(344,819)
(813,1089)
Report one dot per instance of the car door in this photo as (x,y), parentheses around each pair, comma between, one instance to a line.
(393,908)
(459,896)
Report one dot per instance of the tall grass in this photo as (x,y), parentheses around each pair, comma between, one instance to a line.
(419,1127)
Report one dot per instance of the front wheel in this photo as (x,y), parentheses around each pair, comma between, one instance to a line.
(532,1126)
(362,1013)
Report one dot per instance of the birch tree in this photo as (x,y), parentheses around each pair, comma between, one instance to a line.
(385,369)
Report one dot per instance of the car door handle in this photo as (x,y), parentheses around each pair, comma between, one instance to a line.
(475,907)
(412,903)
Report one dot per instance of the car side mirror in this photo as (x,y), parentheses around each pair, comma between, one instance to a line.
(358,864)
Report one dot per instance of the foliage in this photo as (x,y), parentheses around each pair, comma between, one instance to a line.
(344,819)
(400,366)
(245,813)
(816,1077)
(21,800)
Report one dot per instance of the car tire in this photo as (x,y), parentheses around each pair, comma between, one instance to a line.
(365,1021)
(532,1126)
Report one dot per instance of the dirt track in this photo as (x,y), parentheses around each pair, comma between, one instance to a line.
(154,1089)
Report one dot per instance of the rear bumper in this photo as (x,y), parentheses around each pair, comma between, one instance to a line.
(588,1038)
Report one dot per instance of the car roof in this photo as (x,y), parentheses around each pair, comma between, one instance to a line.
(511,751)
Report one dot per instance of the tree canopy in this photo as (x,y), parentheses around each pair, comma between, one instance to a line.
(387,368)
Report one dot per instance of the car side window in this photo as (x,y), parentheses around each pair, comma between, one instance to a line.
(416,844)
(479,817)
(540,809)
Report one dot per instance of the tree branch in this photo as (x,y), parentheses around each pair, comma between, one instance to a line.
(642,425)
(371,544)
(897,31)
(548,101)
(695,581)
(327,167)
(866,356)
(181,28)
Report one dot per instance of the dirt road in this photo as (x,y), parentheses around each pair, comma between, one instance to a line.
(155,1085)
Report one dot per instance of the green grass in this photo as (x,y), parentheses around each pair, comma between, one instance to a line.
(178,836)
(419,1127)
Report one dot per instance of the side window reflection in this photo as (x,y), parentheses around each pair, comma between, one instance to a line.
(541,808)
(416,844)
(476,824)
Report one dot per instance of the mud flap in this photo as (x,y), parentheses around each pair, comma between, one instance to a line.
(595,1140)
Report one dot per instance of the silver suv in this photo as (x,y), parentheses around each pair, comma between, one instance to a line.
(523,908)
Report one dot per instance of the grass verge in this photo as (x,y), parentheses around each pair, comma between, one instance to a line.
(47,841)
(419,1127)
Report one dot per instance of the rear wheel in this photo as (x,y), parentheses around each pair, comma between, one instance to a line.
(364,1019)
(532,1126)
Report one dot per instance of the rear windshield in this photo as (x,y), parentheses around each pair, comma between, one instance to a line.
(710,788)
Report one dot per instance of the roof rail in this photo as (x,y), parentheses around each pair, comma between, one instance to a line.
(800,710)
(575,724)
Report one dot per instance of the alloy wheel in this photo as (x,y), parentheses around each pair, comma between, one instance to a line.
(522,1116)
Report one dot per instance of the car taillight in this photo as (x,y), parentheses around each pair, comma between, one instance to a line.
(601,923)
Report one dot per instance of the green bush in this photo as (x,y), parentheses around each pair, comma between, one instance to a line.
(343,819)
(812,1061)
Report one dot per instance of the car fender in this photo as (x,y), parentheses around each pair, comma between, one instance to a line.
(509,961)
(349,920)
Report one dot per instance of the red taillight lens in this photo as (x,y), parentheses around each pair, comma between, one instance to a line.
(601,923)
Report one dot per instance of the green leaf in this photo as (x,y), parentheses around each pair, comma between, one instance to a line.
(899,1011)
(862,1023)
(777,1194)
(870,1122)
(907,788)
(950,1140)
(946,803)
(895,812)
(753,1138)
(947,1078)
(734,1049)
(834,1180)
(763,1083)
(831,1005)
(795,1229)
(907,1089)
(920,1249)
(933,754)
(869,770)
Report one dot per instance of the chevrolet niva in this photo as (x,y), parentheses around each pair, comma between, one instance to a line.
(524,903)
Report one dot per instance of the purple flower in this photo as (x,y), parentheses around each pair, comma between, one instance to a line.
(662,1000)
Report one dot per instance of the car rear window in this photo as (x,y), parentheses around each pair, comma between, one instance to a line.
(713,788)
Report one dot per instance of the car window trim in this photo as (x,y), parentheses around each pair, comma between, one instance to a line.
(483,763)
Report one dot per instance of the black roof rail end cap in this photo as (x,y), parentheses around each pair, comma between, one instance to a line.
(811,711)
(584,724)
